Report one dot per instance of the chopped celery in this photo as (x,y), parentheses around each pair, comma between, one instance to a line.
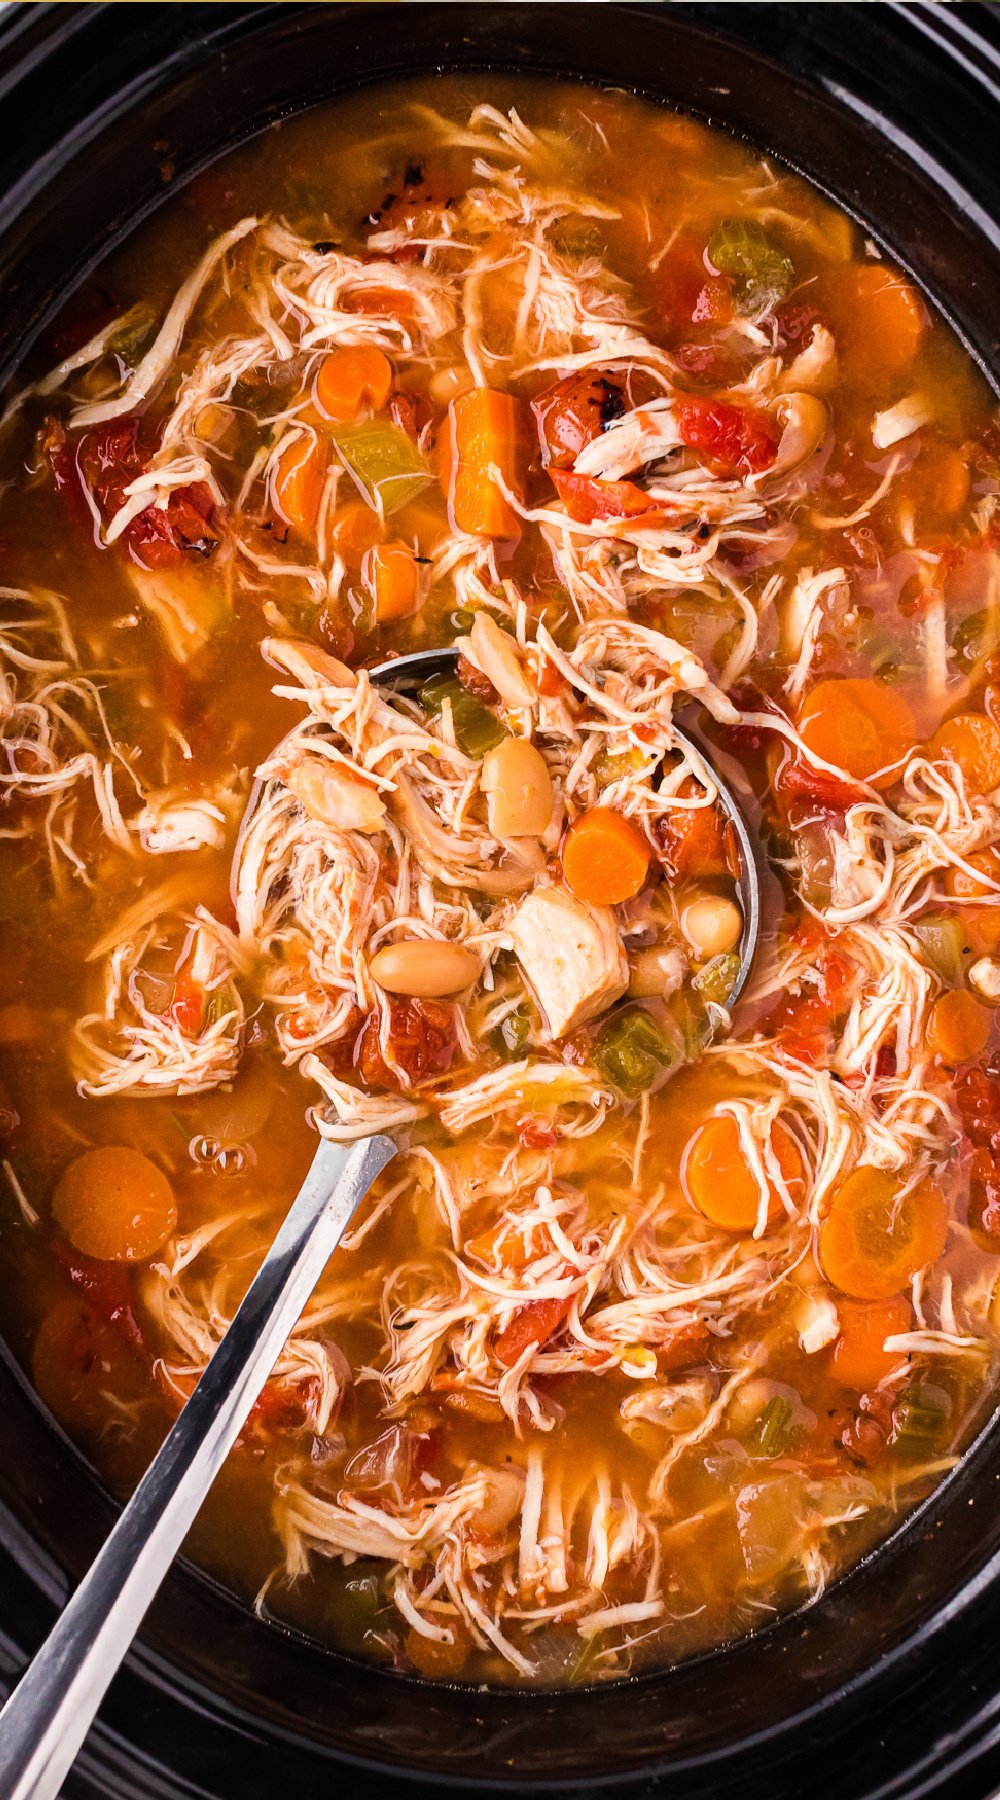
(631,1051)
(476,728)
(609,768)
(770,1433)
(513,1034)
(943,941)
(920,1420)
(131,332)
(718,978)
(387,466)
(760,271)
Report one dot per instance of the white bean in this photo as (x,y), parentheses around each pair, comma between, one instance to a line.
(425,970)
(712,924)
(518,789)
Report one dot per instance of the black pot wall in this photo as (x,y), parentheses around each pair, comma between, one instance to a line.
(889,1686)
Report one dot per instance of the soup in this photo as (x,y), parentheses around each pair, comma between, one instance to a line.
(680,1292)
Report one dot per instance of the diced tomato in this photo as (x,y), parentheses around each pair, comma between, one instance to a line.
(188,1006)
(685,1345)
(574,411)
(534,1324)
(550,681)
(734,440)
(696,841)
(685,294)
(534,1134)
(795,779)
(835,977)
(106,1286)
(422,1040)
(282,1407)
(714,305)
(411,412)
(106,460)
(586,500)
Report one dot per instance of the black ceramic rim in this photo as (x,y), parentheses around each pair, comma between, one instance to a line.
(891,110)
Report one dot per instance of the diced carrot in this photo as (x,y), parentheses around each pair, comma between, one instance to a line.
(860,726)
(587,499)
(877,318)
(356,528)
(973,742)
(958,1028)
(859,1359)
(381,303)
(114,1204)
(605,859)
(965,887)
(298,484)
(876,1236)
(481,434)
(719,1181)
(350,377)
(391,573)
(434,1658)
(532,1323)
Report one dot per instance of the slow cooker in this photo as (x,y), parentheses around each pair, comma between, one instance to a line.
(889,1684)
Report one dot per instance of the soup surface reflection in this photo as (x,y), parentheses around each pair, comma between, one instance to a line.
(667,1309)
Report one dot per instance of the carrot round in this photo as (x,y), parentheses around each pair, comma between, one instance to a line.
(350,377)
(719,1181)
(391,573)
(298,484)
(481,434)
(972,741)
(878,319)
(859,1357)
(533,1323)
(966,887)
(858,725)
(114,1204)
(875,1237)
(604,858)
(958,1028)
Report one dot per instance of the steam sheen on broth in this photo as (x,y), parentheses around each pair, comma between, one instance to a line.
(666,1311)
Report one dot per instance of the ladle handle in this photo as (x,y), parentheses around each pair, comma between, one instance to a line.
(50,1711)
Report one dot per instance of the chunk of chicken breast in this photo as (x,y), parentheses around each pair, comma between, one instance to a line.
(571,955)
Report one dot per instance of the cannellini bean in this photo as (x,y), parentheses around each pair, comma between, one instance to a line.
(336,799)
(804,421)
(424,969)
(446,384)
(656,973)
(984,979)
(495,656)
(712,924)
(518,789)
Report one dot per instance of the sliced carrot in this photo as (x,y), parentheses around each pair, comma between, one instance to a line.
(391,573)
(114,1204)
(719,1181)
(858,725)
(351,377)
(356,528)
(482,434)
(381,303)
(859,1357)
(958,1028)
(605,859)
(877,318)
(973,742)
(533,1324)
(966,887)
(875,1237)
(298,484)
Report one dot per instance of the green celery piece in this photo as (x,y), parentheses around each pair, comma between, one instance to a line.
(942,938)
(631,1052)
(476,728)
(512,1036)
(718,978)
(770,1430)
(760,271)
(132,330)
(920,1420)
(387,466)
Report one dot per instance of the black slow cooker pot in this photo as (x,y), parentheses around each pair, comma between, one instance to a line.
(891,1684)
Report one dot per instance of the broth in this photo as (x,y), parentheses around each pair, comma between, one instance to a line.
(664,1316)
